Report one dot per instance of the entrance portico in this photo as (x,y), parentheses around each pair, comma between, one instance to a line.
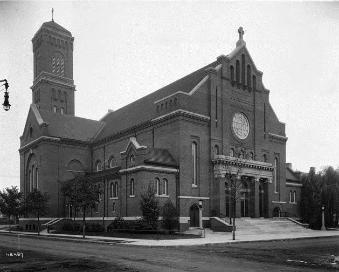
(252,179)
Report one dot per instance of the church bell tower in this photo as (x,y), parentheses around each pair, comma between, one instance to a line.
(53,87)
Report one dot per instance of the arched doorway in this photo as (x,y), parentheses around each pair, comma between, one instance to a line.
(194,216)
(244,200)
(276,212)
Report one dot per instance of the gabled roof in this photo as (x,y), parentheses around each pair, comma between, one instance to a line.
(142,110)
(290,175)
(71,127)
(160,156)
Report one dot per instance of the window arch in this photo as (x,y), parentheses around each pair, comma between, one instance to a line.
(249,76)
(195,163)
(254,79)
(112,162)
(243,69)
(131,187)
(98,166)
(165,187)
(157,186)
(237,71)
(216,150)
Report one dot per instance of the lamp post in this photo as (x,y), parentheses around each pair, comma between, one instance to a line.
(323,218)
(6,104)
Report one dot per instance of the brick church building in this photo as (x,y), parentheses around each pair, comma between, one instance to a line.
(185,139)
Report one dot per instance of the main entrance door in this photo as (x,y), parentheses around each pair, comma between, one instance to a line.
(194,216)
(244,200)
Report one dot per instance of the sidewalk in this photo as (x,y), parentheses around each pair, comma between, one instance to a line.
(210,238)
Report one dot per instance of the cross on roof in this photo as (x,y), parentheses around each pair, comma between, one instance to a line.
(241,33)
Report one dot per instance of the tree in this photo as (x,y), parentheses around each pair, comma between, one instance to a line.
(11,202)
(169,215)
(36,203)
(83,194)
(149,206)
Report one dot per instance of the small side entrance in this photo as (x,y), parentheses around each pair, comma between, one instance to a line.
(194,216)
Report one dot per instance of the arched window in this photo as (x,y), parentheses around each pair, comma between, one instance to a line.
(232,74)
(62,111)
(33,177)
(111,190)
(294,197)
(291,197)
(232,152)
(30,132)
(216,150)
(251,157)
(276,175)
(264,157)
(157,186)
(237,71)
(165,186)
(254,83)
(243,69)
(98,166)
(131,187)
(132,160)
(30,180)
(249,76)
(195,163)
(115,189)
(55,109)
(112,162)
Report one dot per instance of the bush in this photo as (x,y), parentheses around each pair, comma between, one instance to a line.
(67,226)
(149,206)
(170,216)
(96,227)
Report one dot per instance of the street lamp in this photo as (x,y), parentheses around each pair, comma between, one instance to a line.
(6,104)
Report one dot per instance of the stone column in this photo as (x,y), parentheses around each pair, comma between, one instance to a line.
(256,196)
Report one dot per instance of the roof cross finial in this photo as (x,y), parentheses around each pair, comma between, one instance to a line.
(52,14)
(241,41)
(241,33)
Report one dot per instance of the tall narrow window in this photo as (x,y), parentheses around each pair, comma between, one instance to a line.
(291,200)
(131,187)
(195,163)
(30,180)
(157,186)
(254,83)
(216,106)
(232,74)
(62,110)
(164,185)
(249,76)
(98,166)
(264,157)
(54,109)
(115,189)
(232,152)
(276,175)
(111,191)
(243,69)
(37,178)
(294,197)
(237,71)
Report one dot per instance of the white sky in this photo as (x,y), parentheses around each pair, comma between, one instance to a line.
(125,50)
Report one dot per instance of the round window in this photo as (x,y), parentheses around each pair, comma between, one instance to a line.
(240,126)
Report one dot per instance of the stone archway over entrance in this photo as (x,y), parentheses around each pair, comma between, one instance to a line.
(194,216)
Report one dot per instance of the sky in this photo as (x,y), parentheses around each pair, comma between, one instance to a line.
(126,50)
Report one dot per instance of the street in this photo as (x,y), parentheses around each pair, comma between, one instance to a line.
(289,255)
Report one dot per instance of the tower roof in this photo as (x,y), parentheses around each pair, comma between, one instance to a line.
(53,26)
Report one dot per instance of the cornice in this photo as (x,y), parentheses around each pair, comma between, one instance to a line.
(48,77)
(157,169)
(38,140)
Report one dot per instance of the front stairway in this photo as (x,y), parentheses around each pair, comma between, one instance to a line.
(268,225)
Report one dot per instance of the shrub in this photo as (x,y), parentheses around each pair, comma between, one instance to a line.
(149,206)
(96,227)
(170,216)
(67,226)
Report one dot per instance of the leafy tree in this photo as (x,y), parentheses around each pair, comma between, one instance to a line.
(11,202)
(169,215)
(84,194)
(149,206)
(36,203)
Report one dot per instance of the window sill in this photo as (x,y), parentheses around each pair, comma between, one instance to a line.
(293,203)
(162,196)
(113,198)
(194,186)
(132,196)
